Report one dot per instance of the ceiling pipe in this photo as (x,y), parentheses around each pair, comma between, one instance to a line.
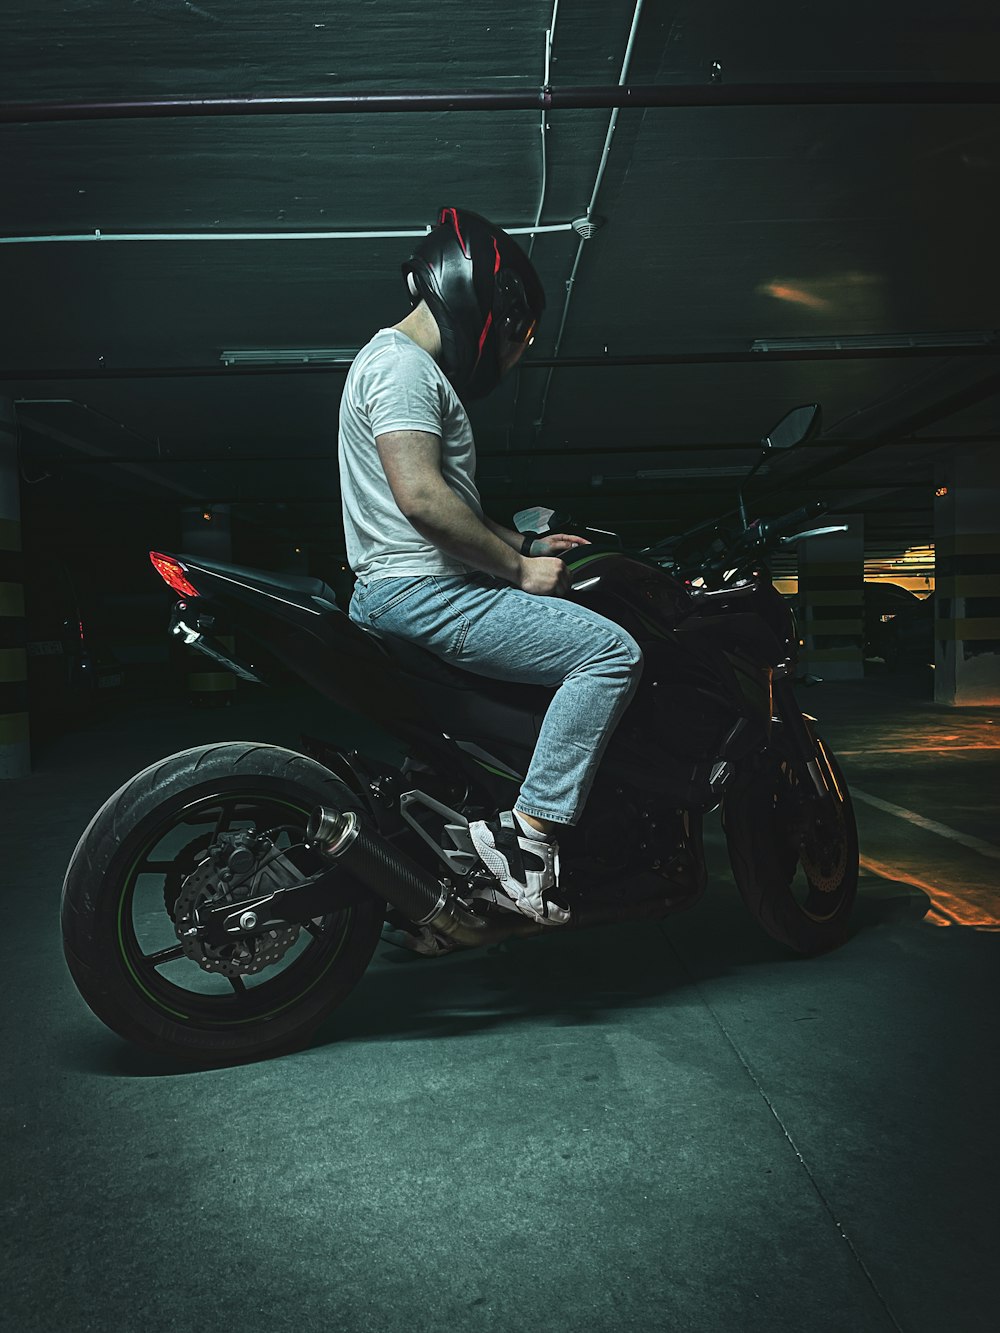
(138,470)
(504,455)
(610,484)
(873,93)
(372,235)
(928,416)
(13,374)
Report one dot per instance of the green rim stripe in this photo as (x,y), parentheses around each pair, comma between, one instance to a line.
(260,1018)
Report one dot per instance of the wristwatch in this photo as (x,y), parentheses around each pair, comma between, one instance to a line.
(529,537)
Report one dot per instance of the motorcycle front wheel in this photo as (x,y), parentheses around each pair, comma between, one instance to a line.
(144,856)
(795,856)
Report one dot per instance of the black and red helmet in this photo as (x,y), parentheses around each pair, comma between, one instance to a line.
(484,294)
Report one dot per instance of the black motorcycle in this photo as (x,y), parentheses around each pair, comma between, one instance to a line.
(226,899)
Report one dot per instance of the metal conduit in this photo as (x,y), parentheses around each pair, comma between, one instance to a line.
(869,93)
(586,233)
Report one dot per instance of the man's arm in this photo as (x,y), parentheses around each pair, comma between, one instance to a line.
(411,460)
(512,539)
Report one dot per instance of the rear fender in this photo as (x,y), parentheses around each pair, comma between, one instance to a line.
(193,625)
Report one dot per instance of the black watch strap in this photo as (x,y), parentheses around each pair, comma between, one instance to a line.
(529,537)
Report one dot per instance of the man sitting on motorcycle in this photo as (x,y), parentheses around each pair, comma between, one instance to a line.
(433,569)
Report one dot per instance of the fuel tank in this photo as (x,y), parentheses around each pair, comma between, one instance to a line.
(642,598)
(706,684)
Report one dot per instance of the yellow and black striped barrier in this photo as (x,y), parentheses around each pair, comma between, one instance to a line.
(832,616)
(214,688)
(967,617)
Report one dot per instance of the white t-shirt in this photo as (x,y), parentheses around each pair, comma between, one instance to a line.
(396,385)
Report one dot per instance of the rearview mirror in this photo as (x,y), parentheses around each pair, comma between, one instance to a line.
(796,427)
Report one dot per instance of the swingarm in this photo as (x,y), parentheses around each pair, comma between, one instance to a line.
(288,900)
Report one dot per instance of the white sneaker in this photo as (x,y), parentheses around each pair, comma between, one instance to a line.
(527,868)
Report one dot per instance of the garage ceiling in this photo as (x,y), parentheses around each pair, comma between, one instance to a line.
(721,228)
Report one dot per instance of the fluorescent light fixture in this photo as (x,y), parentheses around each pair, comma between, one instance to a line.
(288,356)
(680,473)
(873,341)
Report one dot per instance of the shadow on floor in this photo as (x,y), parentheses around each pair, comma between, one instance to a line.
(576,979)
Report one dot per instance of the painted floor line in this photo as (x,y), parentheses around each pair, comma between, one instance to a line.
(931,825)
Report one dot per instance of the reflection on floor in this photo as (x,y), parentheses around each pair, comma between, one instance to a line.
(926,791)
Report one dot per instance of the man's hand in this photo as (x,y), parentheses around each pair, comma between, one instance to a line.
(556,543)
(544,577)
(543,574)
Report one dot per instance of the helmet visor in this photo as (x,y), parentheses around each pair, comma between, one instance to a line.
(513,319)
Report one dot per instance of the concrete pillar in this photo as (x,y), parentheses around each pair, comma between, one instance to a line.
(209,686)
(15,752)
(967,579)
(831,601)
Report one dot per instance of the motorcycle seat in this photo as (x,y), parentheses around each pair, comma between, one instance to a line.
(299,585)
(423,665)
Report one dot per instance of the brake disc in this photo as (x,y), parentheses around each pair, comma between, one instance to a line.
(810,839)
(824,856)
(213,884)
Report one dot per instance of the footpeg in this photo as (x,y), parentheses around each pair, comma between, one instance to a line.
(493,896)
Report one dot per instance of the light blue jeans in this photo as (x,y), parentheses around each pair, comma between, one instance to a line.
(490,627)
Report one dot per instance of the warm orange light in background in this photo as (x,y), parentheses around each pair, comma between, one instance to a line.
(920,587)
(947,908)
(941,490)
(852,295)
(913,570)
(795,295)
(960,733)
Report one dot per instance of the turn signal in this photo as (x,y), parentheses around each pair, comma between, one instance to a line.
(171,571)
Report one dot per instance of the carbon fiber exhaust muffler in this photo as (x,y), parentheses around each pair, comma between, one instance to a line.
(370,858)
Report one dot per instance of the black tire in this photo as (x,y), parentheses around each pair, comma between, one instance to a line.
(111,892)
(795,860)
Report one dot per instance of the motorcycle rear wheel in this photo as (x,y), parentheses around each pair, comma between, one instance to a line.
(123,881)
(795,858)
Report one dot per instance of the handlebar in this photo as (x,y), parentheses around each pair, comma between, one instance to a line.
(759,537)
(752,542)
(772,528)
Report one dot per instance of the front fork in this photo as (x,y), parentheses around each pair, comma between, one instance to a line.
(801,742)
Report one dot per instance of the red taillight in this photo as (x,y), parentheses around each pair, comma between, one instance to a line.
(174,573)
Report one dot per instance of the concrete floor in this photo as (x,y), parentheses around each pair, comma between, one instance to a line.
(641,1128)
